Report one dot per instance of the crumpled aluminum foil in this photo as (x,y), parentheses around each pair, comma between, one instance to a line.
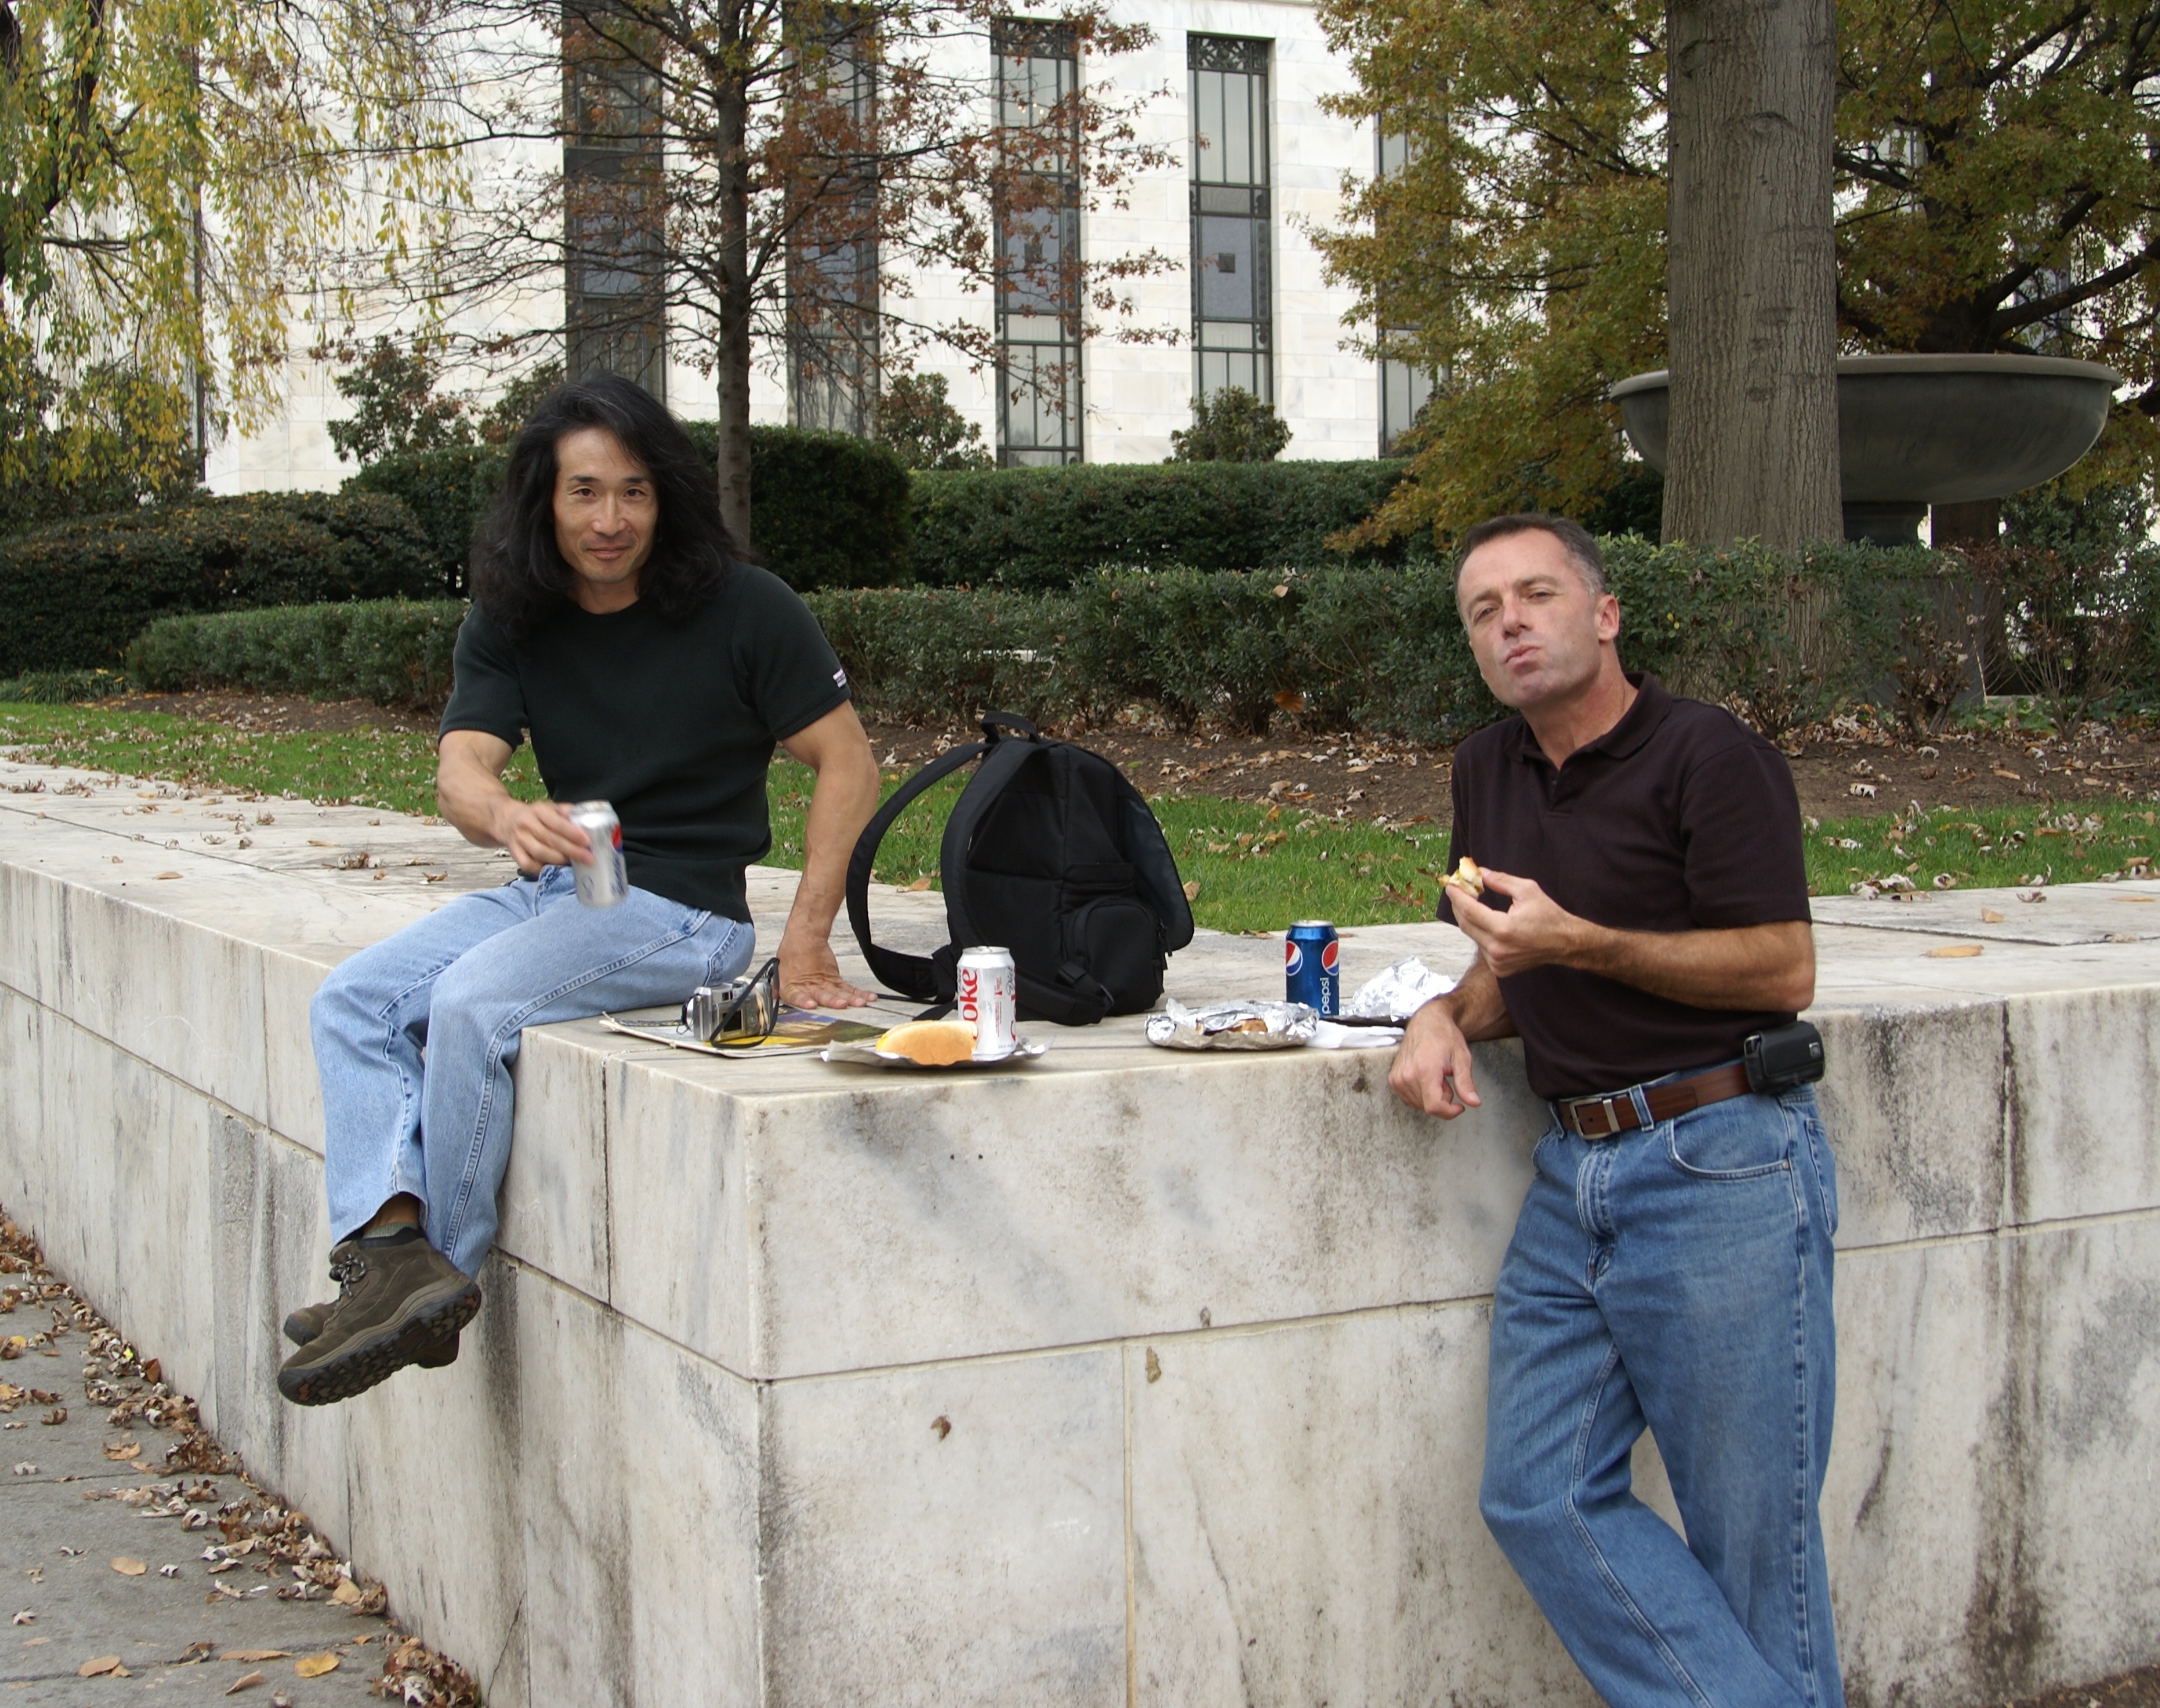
(1397,990)
(1233,1025)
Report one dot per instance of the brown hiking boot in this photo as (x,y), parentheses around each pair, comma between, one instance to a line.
(397,1297)
(303,1323)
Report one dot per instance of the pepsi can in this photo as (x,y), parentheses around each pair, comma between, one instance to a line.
(604,881)
(1311,975)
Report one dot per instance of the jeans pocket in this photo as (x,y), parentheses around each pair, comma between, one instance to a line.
(1742,1138)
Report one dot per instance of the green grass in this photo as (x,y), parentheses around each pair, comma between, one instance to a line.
(1258,867)
(1988,848)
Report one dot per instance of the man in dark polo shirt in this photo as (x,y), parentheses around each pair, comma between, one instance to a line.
(1645,912)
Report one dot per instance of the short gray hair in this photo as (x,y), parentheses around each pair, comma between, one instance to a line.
(1574,539)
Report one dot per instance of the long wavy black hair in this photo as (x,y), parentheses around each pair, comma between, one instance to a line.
(519,577)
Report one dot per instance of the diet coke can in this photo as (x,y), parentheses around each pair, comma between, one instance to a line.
(605,882)
(990,1000)
(1311,951)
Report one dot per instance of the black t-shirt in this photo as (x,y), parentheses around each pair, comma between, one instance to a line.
(670,720)
(1677,818)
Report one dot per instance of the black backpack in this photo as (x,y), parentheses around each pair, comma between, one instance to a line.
(1050,852)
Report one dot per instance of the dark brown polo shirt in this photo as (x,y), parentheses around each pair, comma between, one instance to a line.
(1677,818)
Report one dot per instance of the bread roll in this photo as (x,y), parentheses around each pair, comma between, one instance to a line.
(933,1043)
(1467,878)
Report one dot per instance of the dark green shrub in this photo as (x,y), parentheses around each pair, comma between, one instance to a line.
(1054,527)
(74,594)
(1782,638)
(1231,426)
(922,655)
(61,688)
(826,509)
(393,651)
(448,491)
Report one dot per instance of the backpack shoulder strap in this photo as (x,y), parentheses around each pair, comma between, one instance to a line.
(911,975)
(1007,755)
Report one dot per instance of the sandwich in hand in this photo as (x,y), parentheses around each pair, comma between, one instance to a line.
(1467,878)
(930,1043)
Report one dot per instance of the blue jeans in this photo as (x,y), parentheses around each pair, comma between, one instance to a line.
(1677,1278)
(461,984)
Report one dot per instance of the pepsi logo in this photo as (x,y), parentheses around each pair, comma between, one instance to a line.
(1329,953)
(1293,957)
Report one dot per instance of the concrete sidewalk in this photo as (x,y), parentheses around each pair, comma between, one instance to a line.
(136,1556)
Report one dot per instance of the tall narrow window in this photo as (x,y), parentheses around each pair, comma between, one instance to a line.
(1232,327)
(833,316)
(1406,387)
(1037,213)
(615,274)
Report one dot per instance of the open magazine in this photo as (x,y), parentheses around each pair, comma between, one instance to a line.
(797,1031)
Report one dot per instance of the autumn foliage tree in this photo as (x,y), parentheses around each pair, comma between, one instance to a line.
(175,176)
(1997,189)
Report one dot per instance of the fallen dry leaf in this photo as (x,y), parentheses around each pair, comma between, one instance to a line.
(921,883)
(248,1657)
(123,1450)
(347,1593)
(128,1568)
(58,1415)
(312,843)
(314,1666)
(1154,1365)
(2001,771)
(1193,890)
(1988,915)
(168,875)
(1954,951)
(245,1681)
(98,1668)
(25,1618)
(154,1371)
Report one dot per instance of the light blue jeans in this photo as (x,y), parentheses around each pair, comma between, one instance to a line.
(460,985)
(1677,1278)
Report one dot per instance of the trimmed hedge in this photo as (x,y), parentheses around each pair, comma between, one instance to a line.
(393,651)
(831,510)
(73,595)
(1784,639)
(1040,528)
(827,510)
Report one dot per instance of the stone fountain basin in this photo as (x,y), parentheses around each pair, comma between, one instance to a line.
(1932,429)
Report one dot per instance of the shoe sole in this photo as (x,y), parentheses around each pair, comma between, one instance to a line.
(431,1359)
(373,1360)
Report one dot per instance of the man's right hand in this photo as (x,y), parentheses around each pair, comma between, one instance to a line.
(1432,1069)
(540,834)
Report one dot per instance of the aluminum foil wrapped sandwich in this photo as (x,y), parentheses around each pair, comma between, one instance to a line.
(1233,1025)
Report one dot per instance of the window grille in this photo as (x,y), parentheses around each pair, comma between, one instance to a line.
(1036,212)
(1233,320)
(832,319)
(614,212)
(1406,387)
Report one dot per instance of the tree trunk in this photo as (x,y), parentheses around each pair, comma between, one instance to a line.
(1751,272)
(732,170)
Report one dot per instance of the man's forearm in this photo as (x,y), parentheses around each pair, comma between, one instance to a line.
(1754,967)
(1477,1007)
(841,803)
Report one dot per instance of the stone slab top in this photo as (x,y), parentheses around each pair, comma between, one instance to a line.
(324,880)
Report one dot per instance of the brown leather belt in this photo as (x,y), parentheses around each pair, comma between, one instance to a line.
(1608,1117)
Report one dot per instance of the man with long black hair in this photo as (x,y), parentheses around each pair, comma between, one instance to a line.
(614,621)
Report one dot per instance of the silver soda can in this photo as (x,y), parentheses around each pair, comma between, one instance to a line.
(605,882)
(989,1000)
